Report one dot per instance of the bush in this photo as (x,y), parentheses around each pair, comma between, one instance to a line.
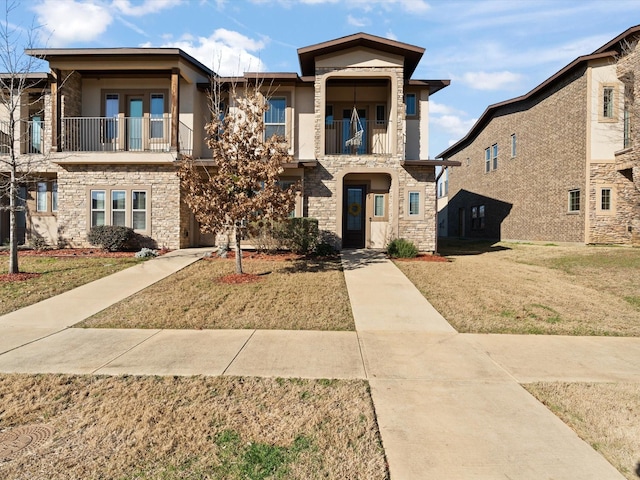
(111,238)
(401,248)
(146,253)
(301,234)
(324,249)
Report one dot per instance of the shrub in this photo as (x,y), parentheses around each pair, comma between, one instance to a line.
(301,234)
(111,238)
(324,249)
(266,235)
(401,248)
(146,253)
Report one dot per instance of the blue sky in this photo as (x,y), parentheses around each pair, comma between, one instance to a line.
(490,50)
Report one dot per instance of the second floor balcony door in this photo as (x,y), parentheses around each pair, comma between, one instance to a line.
(134,133)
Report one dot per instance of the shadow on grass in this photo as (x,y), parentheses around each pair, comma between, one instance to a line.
(311,264)
(456,246)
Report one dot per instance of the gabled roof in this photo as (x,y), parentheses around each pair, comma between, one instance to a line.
(411,53)
(608,50)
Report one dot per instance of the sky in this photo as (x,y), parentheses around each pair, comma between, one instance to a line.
(490,50)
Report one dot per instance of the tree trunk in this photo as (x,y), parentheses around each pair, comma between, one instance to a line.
(13,226)
(238,249)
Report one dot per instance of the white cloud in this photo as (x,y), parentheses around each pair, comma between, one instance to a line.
(391,36)
(145,8)
(415,6)
(436,108)
(225,51)
(453,124)
(491,80)
(68,21)
(357,22)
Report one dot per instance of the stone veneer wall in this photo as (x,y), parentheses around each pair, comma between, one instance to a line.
(628,161)
(526,197)
(74,182)
(320,183)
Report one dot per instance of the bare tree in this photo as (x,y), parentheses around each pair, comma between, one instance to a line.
(16,83)
(242,185)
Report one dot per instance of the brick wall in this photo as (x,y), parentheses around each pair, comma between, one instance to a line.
(526,197)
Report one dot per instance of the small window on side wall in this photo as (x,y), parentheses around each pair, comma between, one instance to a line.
(514,145)
(574,201)
(410,102)
(605,199)
(378,205)
(414,204)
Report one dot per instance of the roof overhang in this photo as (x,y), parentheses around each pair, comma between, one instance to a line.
(430,163)
(411,53)
(433,85)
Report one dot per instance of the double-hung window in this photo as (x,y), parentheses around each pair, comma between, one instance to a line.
(139,209)
(118,208)
(414,203)
(98,208)
(605,199)
(494,155)
(607,102)
(513,145)
(487,160)
(54,196)
(275,117)
(41,197)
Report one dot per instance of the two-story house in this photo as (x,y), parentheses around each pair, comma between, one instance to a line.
(558,163)
(356,123)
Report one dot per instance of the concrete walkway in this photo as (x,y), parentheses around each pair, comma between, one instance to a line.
(449,405)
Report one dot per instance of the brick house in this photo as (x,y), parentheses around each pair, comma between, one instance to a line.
(558,163)
(115,121)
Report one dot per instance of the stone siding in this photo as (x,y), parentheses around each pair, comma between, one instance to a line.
(526,197)
(167,220)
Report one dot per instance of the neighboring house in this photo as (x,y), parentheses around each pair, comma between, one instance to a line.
(116,121)
(558,164)
(443,202)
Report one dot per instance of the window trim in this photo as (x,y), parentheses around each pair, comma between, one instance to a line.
(407,202)
(98,210)
(283,123)
(599,204)
(108,216)
(613,101)
(487,160)
(571,203)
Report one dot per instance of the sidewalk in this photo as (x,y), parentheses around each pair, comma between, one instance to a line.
(449,405)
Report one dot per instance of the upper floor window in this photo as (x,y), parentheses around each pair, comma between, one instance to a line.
(487,160)
(328,115)
(607,102)
(275,117)
(628,95)
(494,155)
(111,111)
(607,108)
(513,145)
(574,200)
(381,115)
(410,102)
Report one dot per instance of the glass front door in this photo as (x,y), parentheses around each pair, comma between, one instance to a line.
(135,124)
(353,215)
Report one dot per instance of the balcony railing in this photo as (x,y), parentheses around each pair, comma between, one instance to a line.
(116,134)
(368,137)
(29,135)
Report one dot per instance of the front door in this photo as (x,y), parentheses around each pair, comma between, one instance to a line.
(135,123)
(353,216)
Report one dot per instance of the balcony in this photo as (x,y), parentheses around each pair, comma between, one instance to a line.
(123,134)
(29,134)
(368,137)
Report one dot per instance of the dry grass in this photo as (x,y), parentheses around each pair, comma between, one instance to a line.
(58,274)
(607,416)
(192,427)
(520,288)
(304,294)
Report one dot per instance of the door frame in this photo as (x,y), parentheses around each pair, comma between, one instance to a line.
(363,235)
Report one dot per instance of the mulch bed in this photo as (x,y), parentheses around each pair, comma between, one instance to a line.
(70,252)
(18,277)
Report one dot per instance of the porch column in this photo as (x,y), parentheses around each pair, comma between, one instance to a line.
(56,103)
(175,108)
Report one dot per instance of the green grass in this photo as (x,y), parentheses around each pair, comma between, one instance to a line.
(57,275)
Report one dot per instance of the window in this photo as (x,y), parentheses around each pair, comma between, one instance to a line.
(41,197)
(111,110)
(487,160)
(607,101)
(627,118)
(414,204)
(494,156)
(98,208)
(139,210)
(381,115)
(118,208)
(54,196)
(481,217)
(328,115)
(513,145)
(378,205)
(574,200)
(477,217)
(157,114)
(275,117)
(605,199)
(410,102)
(285,185)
